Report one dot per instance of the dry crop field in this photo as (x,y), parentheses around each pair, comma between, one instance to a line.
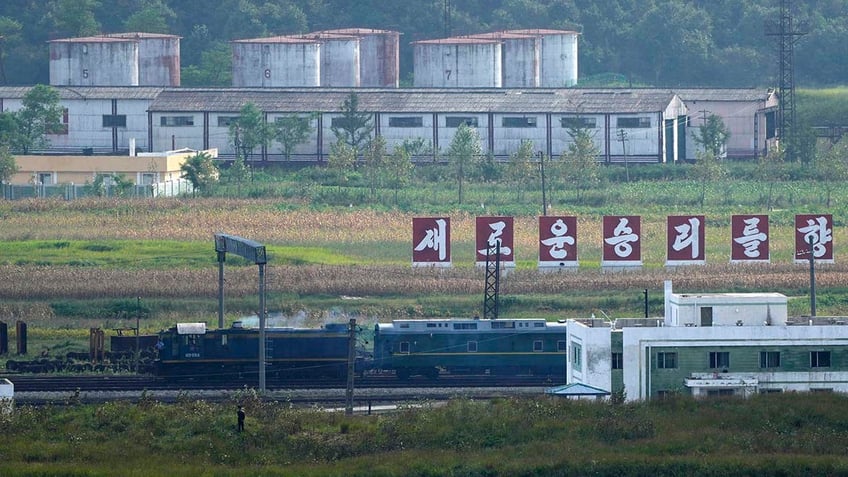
(347,253)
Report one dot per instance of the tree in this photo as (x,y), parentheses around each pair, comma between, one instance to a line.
(342,159)
(771,170)
(707,169)
(9,131)
(713,136)
(399,165)
(831,168)
(41,114)
(373,161)
(73,17)
(200,170)
(353,127)
(521,169)
(8,166)
(248,131)
(464,151)
(215,68)
(153,17)
(579,165)
(291,131)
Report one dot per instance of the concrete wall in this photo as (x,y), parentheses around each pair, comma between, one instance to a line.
(595,359)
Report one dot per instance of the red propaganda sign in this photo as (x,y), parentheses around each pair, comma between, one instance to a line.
(495,230)
(685,239)
(431,241)
(815,229)
(749,238)
(622,240)
(557,242)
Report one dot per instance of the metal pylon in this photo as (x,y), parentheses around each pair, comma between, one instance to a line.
(493,278)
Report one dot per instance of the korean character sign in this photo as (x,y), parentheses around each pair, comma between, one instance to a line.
(817,229)
(622,245)
(685,240)
(431,242)
(557,242)
(749,241)
(491,231)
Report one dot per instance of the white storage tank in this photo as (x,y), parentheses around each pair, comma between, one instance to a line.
(7,396)
(519,58)
(457,62)
(280,61)
(558,57)
(94,61)
(158,58)
(339,58)
(379,56)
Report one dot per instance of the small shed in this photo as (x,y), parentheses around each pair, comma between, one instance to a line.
(577,390)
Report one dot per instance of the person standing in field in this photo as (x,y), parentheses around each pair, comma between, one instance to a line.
(240,415)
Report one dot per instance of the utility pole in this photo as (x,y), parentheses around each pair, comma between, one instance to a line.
(542,172)
(622,136)
(812,279)
(787,37)
(448,27)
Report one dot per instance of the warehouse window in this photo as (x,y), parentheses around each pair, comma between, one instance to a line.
(719,359)
(769,359)
(406,122)
(819,359)
(457,121)
(576,355)
(176,121)
(404,347)
(618,361)
(666,360)
(633,123)
(114,120)
(577,122)
(518,122)
(538,346)
(472,346)
(226,121)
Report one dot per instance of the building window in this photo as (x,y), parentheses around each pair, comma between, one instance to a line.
(576,355)
(176,121)
(720,392)
(44,178)
(226,121)
(771,391)
(339,123)
(147,178)
(618,361)
(821,390)
(719,359)
(819,359)
(578,122)
(472,346)
(561,345)
(769,359)
(666,360)
(457,121)
(465,326)
(404,347)
(538,346)
(114,120)
(62,129)
(519,122)
(406,122)
(633,123)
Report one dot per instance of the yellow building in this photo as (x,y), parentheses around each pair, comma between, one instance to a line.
(142,169)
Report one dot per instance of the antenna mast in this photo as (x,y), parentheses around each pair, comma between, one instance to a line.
(787,37)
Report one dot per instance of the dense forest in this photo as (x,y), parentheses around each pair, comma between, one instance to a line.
(647,42)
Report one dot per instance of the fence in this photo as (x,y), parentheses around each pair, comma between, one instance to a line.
(76,191)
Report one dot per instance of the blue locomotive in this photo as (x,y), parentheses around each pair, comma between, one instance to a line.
(470,346)
(190,350)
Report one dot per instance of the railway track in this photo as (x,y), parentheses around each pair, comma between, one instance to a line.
(92,383)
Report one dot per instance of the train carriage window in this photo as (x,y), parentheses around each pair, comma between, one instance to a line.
(404,347)
(465,326)
(472,346)
(431,325)
(497,325)
(538,325)
(561,345)
(538,346)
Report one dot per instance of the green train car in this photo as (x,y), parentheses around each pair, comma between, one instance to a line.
(470,346)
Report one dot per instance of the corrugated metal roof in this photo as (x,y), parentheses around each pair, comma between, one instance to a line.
(576,389)
(418,100)
(88,92)
(723,94)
